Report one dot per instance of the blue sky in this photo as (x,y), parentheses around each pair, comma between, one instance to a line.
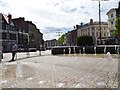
(52,16)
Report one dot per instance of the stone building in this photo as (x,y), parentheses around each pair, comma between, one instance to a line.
(112,15)
(48,44)
(92,29)
(8,32)
(71,38)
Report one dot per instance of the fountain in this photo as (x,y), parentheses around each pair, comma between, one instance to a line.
(74,51)
(84,50)
(63,51)
(80,51)
(118,50)
(69,49)
(104,50)
(115,47)
(109,57)
(95,50)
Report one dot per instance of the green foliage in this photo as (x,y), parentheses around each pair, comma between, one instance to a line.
(116,32)
(61,40)
(85,41)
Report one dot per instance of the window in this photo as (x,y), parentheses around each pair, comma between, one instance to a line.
(111,15)
(92,28)
(111,23)
(12,36)
(104,34)
(4,36)
(104,28)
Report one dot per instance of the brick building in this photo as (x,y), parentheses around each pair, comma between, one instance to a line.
(35,36)
(28,34)
(71,38)
(22,31)
(8,32)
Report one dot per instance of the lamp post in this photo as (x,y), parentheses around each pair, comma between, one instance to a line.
(100,18)
(100,21)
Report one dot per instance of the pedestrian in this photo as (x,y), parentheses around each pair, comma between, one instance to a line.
(14,51)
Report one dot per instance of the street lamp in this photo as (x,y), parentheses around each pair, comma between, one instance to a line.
(100,17)
(100,21)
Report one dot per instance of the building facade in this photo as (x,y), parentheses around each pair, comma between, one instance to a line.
(28,34)
(112,15)
(48,44)
(8,32)
(111,20)
(92,29)
(35,36)
(22,31)
(71,38)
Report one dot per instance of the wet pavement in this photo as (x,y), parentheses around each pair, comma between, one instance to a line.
(61,71)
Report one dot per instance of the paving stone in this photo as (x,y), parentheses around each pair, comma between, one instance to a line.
(68,71)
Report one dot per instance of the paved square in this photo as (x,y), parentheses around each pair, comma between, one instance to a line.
(61,71)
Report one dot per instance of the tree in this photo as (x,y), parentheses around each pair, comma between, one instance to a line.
(61,40)
(85,41)
(116,32)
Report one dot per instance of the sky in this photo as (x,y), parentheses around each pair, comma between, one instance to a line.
(56,17)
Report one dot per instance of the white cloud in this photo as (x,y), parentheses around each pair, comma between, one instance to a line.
(56,13)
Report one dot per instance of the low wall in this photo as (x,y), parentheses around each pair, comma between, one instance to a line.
(101,49)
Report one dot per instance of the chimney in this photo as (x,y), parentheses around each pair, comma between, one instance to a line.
(22,18)
(77,26)
(74,27)
(81,23)
(9,18)
(91,21)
